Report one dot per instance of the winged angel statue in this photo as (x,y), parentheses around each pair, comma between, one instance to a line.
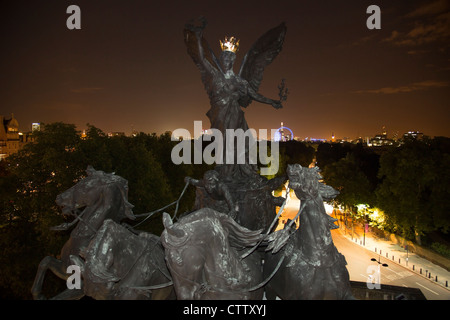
(227,91)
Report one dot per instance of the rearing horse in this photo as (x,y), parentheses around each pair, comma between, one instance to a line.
(312,268)
(103,196)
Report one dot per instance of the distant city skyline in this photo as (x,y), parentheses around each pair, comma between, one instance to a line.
(383,130)
(127,67)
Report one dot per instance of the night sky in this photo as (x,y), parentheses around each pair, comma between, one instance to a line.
(127,68)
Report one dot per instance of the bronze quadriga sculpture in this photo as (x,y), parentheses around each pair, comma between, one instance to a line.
(224,248)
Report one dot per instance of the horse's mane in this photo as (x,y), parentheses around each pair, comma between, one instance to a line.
(126,209)
(238,236)
(113,187)
(309,181)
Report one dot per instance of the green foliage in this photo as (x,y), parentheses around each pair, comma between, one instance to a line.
(410,183)
(328,153)
(346,177)
(351,169)
(415,188)
(31,180)
(292,152)
(440,248)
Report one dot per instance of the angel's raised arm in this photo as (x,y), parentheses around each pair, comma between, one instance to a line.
(198,47)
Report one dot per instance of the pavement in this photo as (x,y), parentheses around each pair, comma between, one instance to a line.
(397,254)
(385,248)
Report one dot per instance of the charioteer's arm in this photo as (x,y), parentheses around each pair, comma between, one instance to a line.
(194,182)
(226,194)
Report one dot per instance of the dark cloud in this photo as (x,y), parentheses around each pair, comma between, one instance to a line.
(428,23)
(418,86)
(430,8)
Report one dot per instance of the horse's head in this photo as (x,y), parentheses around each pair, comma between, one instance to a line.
(305,181)
(88,190)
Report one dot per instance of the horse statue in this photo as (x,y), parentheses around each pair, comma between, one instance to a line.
(100,196)
(203,256)
(312,269)
(120,265)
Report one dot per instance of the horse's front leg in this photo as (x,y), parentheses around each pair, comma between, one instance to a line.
(56,266)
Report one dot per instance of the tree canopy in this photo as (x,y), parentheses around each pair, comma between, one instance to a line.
(415,186)
(31,179)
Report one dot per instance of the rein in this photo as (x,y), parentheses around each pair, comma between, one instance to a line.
(156,286)
(208,287)
(271,226)
(149,214)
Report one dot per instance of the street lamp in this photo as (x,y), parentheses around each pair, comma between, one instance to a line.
(365,226)
(406,247)
(377,278)
(379,262)
(363,207)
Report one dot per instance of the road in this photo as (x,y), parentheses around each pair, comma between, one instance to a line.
(359,260)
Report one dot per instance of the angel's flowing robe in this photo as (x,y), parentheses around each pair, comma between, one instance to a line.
(226,113)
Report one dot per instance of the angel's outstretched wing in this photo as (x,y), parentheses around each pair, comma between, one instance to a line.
(261,54)
(207,63)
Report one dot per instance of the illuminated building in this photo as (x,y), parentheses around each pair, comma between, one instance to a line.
(116,134)
(416,135)
(11,140)
(9,136)
(381,140)
(35,126)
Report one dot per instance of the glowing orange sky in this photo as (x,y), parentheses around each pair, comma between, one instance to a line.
(128,67)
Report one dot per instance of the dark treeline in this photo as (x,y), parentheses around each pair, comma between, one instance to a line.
(410,183)
(31,179)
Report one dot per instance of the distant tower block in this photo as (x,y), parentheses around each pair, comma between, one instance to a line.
(35,126)
(333,139)
(283,134)
(384,132)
